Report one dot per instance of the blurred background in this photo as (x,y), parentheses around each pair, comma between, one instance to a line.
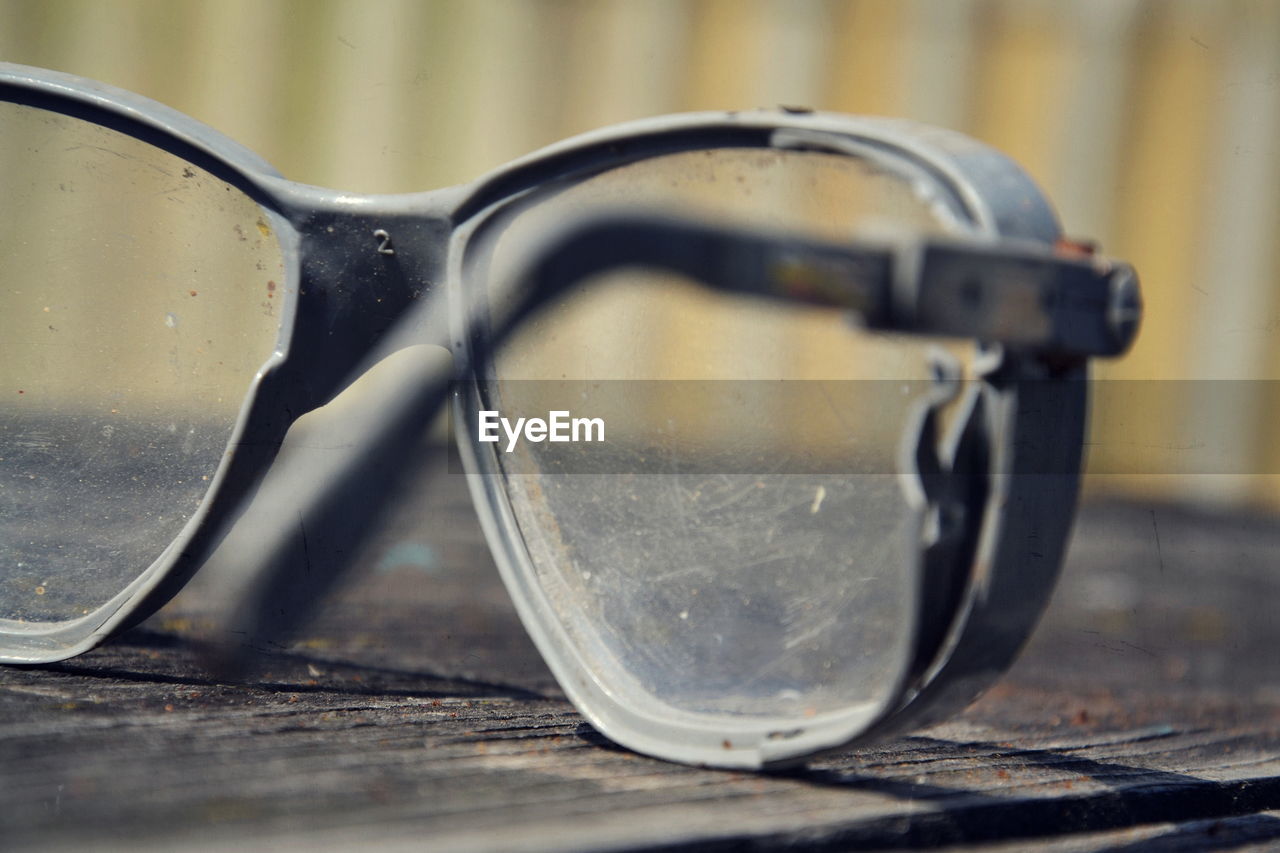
(1154,126)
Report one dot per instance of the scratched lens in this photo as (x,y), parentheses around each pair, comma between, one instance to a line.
(138,297)
(741,544)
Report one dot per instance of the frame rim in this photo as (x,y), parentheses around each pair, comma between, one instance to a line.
(1002,203)
(190,140)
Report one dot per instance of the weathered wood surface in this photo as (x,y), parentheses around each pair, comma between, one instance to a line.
(1144,715)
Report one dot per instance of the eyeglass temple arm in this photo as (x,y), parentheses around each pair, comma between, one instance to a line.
(1023,295)
(1013,294)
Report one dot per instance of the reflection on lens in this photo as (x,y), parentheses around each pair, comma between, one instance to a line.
(138,297)
(738,547)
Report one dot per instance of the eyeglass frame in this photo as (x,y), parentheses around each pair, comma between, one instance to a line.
(356,264)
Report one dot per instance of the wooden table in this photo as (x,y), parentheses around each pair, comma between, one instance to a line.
(415,712)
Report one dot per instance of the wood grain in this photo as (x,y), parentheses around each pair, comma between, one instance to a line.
(416,712)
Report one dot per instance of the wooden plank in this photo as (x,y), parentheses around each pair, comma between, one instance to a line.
(416,712)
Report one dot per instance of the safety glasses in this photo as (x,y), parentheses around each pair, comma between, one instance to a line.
(740,528)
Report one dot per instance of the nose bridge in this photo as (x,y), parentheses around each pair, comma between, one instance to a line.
(360,272)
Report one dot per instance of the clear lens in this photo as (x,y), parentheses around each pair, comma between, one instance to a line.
(738,546)
(138,297)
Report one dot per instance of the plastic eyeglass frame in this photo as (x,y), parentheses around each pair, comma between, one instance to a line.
(344,291)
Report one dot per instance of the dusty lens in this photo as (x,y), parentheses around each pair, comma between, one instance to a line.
(138,297)
(740,544)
